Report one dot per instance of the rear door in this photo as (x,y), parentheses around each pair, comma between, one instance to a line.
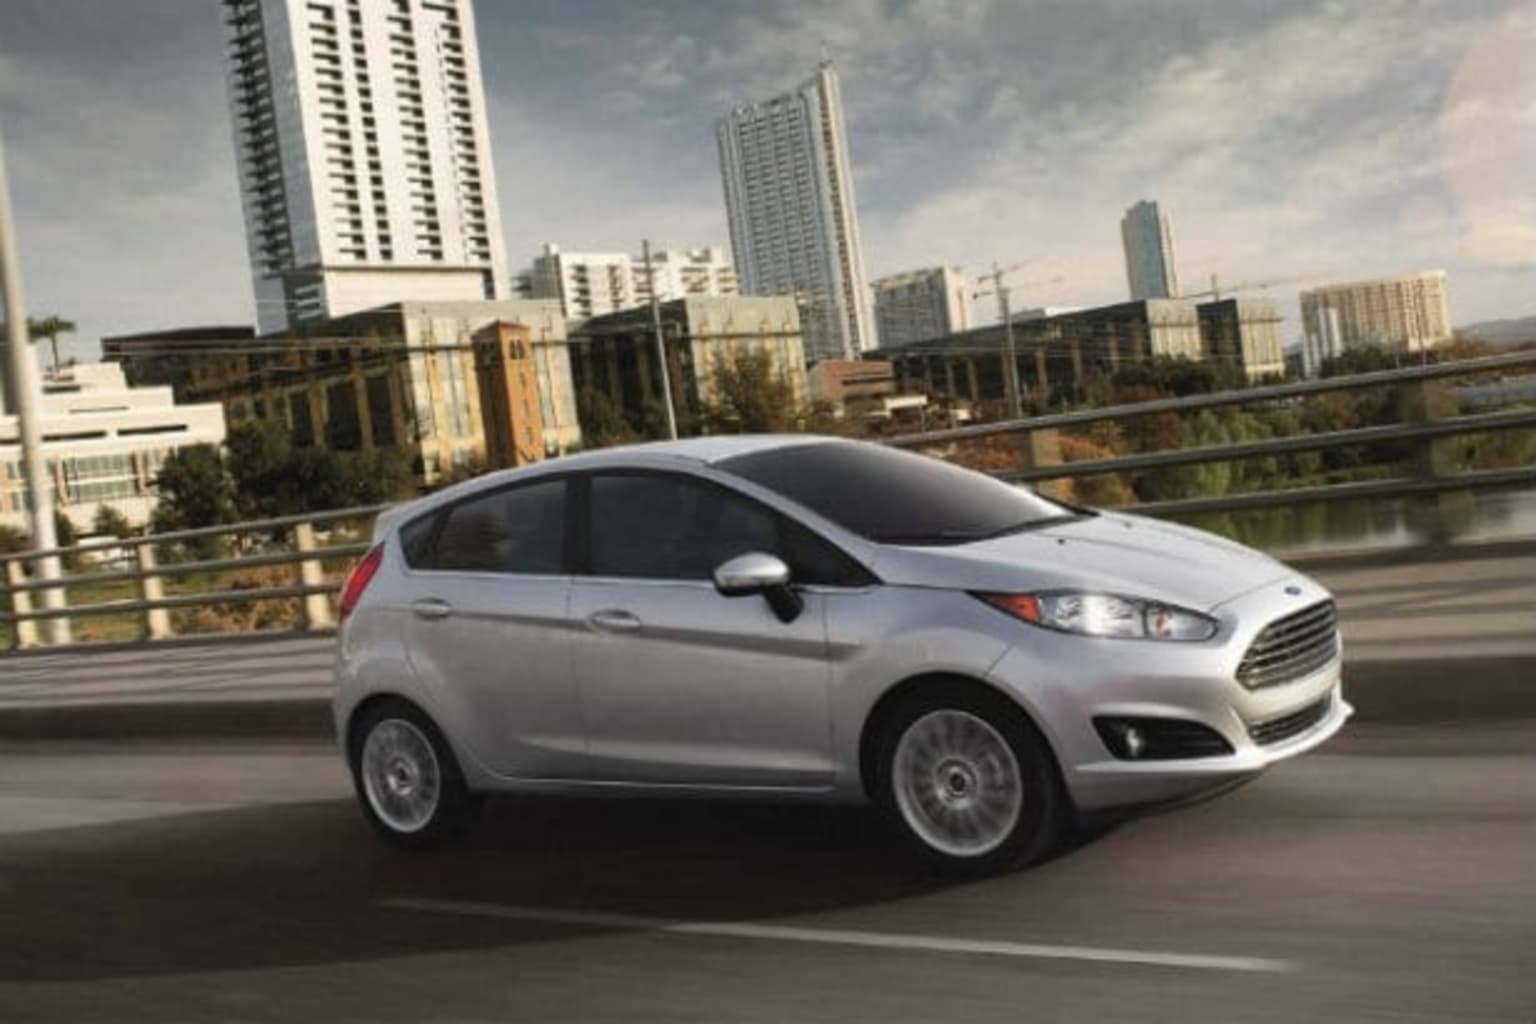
(490,630)
(680,684)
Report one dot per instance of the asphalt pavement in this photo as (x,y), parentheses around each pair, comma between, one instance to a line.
(1389,876)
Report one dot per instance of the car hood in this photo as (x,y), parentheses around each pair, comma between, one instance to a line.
(1111,552)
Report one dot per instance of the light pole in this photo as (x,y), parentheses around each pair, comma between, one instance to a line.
(21,396)
(661,344)
(1015,398)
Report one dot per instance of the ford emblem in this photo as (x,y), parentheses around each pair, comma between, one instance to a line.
(1293,590)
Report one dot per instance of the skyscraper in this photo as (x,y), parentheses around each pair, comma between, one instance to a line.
(789,198)
(364,155)
(1149,257)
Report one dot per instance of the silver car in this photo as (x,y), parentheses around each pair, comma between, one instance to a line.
(812,617)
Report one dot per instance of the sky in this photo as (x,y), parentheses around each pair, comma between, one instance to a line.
(1289,140)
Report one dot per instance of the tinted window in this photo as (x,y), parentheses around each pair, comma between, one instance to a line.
(670,527)
(519,530)
(893,496)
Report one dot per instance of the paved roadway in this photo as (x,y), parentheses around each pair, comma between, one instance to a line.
(1390,876)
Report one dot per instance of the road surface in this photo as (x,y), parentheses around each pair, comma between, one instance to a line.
(1390,876)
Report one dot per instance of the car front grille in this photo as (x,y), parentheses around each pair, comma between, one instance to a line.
(1291,647)
(1278,730)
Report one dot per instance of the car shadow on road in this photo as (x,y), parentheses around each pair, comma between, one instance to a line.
(305,884)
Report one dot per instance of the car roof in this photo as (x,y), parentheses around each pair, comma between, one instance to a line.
(702,450)
(697,449)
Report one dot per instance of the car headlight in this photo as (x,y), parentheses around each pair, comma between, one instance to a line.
(1107,615)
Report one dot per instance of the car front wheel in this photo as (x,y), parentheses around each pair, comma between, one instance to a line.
(408,781)
(968,782)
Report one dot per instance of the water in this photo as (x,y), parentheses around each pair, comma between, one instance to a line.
(1460,516)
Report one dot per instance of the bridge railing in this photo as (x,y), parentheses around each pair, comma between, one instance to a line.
(135,585)
(1429,478)
(158,577)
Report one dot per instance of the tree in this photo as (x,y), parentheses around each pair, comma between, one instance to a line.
(66,536)
(109,522)
(50,327)
(751,396)
(260,456)
(13,541)
(195,490)
(603,423)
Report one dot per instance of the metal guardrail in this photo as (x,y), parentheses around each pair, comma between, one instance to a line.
(307,556)
(151,606)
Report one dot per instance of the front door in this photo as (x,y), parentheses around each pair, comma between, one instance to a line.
(680,684)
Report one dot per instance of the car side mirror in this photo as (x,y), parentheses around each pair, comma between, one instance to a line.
(759,573)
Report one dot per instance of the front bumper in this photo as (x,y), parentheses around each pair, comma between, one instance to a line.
(1067,681)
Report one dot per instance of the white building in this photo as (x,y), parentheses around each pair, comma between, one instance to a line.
(364,155)
(1405,314)
(681,273)
(794,226)
(1150,261)
(586,283)
(104,443)
(921,304)
(592,284)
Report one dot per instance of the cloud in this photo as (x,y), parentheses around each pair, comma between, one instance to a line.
(1282,137)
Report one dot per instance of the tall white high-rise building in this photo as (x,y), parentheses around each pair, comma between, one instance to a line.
(789,199)
(364,155)
(920,305)
(1149,257)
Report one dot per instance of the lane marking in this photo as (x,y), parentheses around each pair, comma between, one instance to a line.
(838,937)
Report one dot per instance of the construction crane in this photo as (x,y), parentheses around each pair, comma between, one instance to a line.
(1011,381)
(1216,291)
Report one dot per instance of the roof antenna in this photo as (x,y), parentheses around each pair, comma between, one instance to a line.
(826,57)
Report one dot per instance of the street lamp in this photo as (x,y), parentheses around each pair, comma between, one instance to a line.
(21,396)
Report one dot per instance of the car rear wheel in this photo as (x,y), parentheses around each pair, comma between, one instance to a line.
(968,783)
(408,781)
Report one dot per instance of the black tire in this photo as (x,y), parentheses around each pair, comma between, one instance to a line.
(455,808)
(1040,817)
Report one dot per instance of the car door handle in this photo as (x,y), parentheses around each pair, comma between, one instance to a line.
(614,620)
(431,608)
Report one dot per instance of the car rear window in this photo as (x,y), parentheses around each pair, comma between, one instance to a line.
(893,496)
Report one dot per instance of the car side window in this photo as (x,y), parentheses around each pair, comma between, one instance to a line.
(664,526)
(654,526)
(512,530)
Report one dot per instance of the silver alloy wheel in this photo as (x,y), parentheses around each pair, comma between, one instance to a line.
(957,783)
(401,775)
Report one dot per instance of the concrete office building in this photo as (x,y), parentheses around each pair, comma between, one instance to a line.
(615,355)
(410,376)
(1405,314)
(794,225)
(594,284)
(921,304)
(364,155)
(104,443)
(1245,334)
(1054,354)
(1150,261)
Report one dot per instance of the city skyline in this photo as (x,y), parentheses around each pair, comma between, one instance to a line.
(1379,142)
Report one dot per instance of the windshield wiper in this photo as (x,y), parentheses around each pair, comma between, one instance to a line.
(1037,524)
(971,536)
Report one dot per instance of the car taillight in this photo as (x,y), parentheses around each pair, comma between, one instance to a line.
(358,580)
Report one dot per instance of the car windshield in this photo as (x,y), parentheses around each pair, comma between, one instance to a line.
(897,497)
